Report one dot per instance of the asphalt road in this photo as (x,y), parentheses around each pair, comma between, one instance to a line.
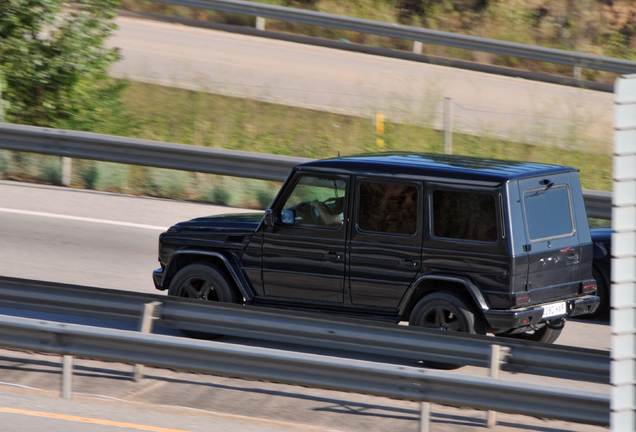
(358,84)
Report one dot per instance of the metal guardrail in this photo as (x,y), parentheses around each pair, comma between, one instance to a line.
(412,33)
(109,148)
(398,382)
(388,342)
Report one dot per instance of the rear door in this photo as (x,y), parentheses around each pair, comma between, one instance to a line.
(386,241)
(552,238)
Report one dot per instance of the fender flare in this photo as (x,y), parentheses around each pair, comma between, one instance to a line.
(476,294)
(230,264)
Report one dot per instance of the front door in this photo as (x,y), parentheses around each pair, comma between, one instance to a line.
(304,255)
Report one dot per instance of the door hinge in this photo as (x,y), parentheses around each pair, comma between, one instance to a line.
(527,248)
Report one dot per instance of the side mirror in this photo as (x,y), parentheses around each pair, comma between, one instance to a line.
(287,217)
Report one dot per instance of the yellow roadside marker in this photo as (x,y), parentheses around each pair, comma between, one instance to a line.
(90,420)
(379,129)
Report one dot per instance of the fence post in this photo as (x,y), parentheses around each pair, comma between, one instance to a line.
(448,125)
(425,416)
(145,326)
(67,376)
(260,23)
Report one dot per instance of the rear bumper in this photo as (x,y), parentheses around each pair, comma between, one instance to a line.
(515,318)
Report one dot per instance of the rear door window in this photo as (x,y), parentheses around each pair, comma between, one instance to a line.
(388,208)
(548,212)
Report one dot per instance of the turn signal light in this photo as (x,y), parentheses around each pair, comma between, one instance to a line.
(589,287)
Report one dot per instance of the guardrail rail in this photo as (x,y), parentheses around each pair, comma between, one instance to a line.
(110,148)
(388,342)
(332,373)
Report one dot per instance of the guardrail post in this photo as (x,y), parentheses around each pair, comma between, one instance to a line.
(67,167)
(260,23)
(417,47)
(67,376)
(149,314)
(448,125)
(425,416)
(576,72)
(497,356)
(623,288)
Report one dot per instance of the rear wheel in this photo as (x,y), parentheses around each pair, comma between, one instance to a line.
(205,282)
(603,293)
(446,311)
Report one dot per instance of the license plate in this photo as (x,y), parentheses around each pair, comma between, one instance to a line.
(554,309)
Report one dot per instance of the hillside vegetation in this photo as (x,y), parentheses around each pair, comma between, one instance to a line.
(600,27)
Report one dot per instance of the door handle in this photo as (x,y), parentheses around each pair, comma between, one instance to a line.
(409,263)
(572,258)
(334,256)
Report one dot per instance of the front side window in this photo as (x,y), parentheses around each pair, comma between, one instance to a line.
(464,216)
(315,202)
(548,212)
(389,208)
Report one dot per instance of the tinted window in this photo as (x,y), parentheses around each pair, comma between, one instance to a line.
(388,208)
(548,212)
(464,215)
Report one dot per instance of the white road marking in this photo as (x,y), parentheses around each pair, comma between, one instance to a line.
(83,219)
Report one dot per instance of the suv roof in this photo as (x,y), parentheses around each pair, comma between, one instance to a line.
(437,165)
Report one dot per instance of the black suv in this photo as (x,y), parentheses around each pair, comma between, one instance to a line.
(446,242)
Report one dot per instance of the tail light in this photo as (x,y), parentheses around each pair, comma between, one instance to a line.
(589,287)
(522,299)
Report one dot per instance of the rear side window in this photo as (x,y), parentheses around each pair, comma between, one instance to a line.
(548,213)
(464,216)
(389,208)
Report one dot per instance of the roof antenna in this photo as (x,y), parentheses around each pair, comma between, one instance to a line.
(338,153)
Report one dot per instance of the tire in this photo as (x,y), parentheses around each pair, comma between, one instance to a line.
(446,311)
(205,282)
(601,290)
(544,334)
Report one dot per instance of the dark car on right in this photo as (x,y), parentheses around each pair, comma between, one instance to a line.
(602,268)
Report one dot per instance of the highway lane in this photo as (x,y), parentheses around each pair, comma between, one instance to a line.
(354,83)
(86,237)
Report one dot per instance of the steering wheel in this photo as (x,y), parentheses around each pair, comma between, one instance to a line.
(315,214)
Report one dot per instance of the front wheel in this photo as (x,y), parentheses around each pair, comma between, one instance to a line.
(205,282)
